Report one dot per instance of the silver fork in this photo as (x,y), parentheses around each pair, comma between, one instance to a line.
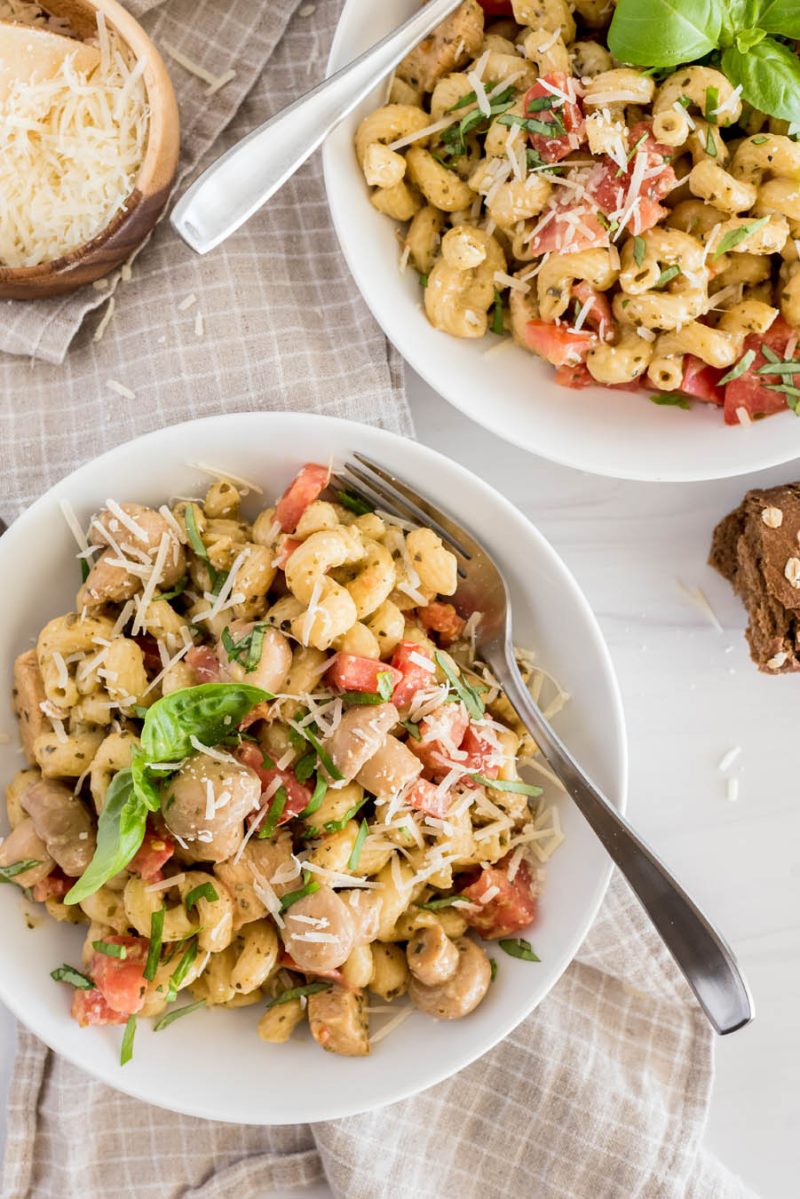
(702,955)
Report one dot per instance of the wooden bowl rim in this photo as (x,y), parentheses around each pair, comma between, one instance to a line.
(160,160)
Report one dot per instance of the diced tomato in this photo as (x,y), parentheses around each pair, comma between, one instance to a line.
(55,886)
(90,1009)
(205,664)
(598,314)
(510,910)
(483,756)
(443,619)
(750,390)
(557,345)
(285,551)
(335,976)
(425,799)
(445,727)
(563,115)
(261,711)
(307,486)
(153,853)
(497,8)
(561,238)
(297,796)
(414,676)
(121,981)
(578,377)
(606,190)
(702,381)
(149,647)
(350,672)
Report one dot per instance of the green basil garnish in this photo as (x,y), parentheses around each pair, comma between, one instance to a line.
(517,948)
(298,993)
(68,974)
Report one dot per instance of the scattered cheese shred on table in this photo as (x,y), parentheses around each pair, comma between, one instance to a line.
(120,389)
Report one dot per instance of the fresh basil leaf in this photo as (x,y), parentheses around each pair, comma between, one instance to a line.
(143,782)
(745,39)
(208,712)
(778,368)
(670,399)
(336,826)
(666,277)
(711,145)
(711,105)
(352,861)
(323,755)
(423,280)
(154,948)
(744,363)
(385,684)
(298,993)
(353,502)
(68,974)
(110,949)
(493,969)
(202,891)
(735,236)
(279,801)
(412,728)
(7,873)
(193,533)
(769,75)
(248,649)
(540,103)
(126,1051)
(665,33)
(639,250)
(516,947)
(120,832)
(308,888)
(314,804)
(176,1014)
(85,568)
(778,16)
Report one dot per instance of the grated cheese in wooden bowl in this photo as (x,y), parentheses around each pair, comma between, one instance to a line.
(73,143)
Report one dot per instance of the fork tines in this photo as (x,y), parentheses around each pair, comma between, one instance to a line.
(383,490)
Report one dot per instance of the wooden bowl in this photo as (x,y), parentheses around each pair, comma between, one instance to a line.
(131,225)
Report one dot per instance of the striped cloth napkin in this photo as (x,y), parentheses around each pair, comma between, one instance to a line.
(602,1093)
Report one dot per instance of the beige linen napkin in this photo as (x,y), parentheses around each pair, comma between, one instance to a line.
(602,1092)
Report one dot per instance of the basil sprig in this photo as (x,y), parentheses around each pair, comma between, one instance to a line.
(68,974)
(667,33)
(207,713)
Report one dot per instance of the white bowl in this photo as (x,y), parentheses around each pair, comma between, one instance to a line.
(512,393)
(213,1064)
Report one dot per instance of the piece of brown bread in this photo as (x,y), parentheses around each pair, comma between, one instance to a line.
(757,548)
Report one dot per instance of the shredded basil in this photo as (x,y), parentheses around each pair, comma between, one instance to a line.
(515,785)
(68,974)
(447,901)
(279,801)
(203,891)
(314,804)
(670,399)
(711,105)
(110,949)
(126,1052)
(666,277)
(308,888)
(156,940)
(336,826)
(353,502)
(639,250)
(177,590)
(298,993)
(7,873)
(735,236)
(744,364)
(306,766)
(385,685)
(352,861)
(176,1014)
(181,970)
(493,968)
(248,649)
(322,753)
(517,948)
(465,692)
(412,728)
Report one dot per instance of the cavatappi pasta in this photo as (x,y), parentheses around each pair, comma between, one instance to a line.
(635,229)
(266,768)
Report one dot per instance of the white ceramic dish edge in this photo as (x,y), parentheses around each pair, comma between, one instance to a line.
(151,1077)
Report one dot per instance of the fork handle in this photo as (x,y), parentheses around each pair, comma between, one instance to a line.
(243,179)
(702,955)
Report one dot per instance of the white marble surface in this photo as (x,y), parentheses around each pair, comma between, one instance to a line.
(690,695)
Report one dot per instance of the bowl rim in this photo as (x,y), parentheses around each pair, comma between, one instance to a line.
(349,1105)
(779,451)
(157,168)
